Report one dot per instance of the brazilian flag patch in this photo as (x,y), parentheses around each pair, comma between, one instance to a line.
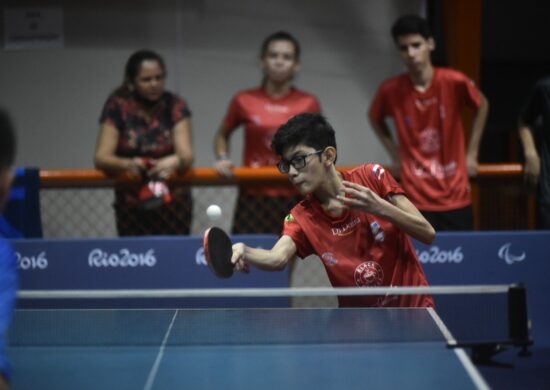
(289,218)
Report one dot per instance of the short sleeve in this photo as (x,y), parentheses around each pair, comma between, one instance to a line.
(111,113)
(315,106)
(293,229)
(180,110)
(378,110)
(380,180)
(233,117)
(469,91)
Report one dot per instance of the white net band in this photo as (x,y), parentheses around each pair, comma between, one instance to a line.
(261,292)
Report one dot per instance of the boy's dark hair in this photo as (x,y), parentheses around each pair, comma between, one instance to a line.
(411,24)
(281,36)
(7,141)
(304,129)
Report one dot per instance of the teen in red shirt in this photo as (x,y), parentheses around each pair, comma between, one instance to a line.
(358,222)
(426,103)
(261,111)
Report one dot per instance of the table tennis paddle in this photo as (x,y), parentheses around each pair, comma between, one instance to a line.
(218,251)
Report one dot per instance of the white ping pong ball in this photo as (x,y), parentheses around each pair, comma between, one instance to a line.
(213,212)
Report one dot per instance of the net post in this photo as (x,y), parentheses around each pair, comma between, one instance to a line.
(518,318)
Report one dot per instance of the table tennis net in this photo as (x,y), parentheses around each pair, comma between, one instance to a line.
(472,314)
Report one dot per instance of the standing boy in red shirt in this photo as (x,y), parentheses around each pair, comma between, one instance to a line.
(425,103)
(358,222)
(261,111)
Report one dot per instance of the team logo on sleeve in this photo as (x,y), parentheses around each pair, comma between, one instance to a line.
(289,218)
(328,259)
(378,170)
(369,274)
(377,231)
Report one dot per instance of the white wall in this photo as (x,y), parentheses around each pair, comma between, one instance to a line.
(211,48)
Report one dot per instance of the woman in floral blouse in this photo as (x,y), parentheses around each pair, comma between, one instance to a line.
(146,129)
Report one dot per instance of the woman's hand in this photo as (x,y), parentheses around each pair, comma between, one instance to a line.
(164,167)
(224,167)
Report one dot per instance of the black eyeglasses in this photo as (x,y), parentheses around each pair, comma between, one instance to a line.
(298,162)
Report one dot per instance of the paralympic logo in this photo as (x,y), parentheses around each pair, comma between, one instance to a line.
(199,257)
(509,258)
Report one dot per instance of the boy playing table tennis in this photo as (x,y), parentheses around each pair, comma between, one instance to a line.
(358,221)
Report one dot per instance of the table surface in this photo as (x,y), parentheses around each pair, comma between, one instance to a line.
(351,348)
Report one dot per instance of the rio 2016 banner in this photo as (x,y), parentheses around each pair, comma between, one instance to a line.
(135,263)
(495,258)
(161,262)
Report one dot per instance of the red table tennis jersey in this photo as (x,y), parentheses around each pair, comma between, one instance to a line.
(261,116)
(431,136)
(360,249)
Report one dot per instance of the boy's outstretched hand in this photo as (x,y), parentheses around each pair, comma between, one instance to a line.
(361,198)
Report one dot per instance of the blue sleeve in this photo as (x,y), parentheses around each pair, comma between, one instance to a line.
(8,290)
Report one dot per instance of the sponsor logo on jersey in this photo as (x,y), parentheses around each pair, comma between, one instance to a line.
(433,168)
(423,103)
(256,119)
(269,107)
(369,274)
(510,258)
(346,228)
(430,141)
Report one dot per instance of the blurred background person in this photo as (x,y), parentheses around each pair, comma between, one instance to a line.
(261,111)
(147,130)
(534,132)
(426,102)
(8,267)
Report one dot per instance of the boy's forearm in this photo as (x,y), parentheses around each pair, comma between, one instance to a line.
(401,212)
(273,259)
(264,259)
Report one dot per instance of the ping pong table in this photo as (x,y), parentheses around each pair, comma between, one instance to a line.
(287,348)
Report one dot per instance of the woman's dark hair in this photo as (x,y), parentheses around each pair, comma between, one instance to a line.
(133,65)
(280,36)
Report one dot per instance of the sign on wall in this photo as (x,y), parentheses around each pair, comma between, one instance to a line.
(33,28)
